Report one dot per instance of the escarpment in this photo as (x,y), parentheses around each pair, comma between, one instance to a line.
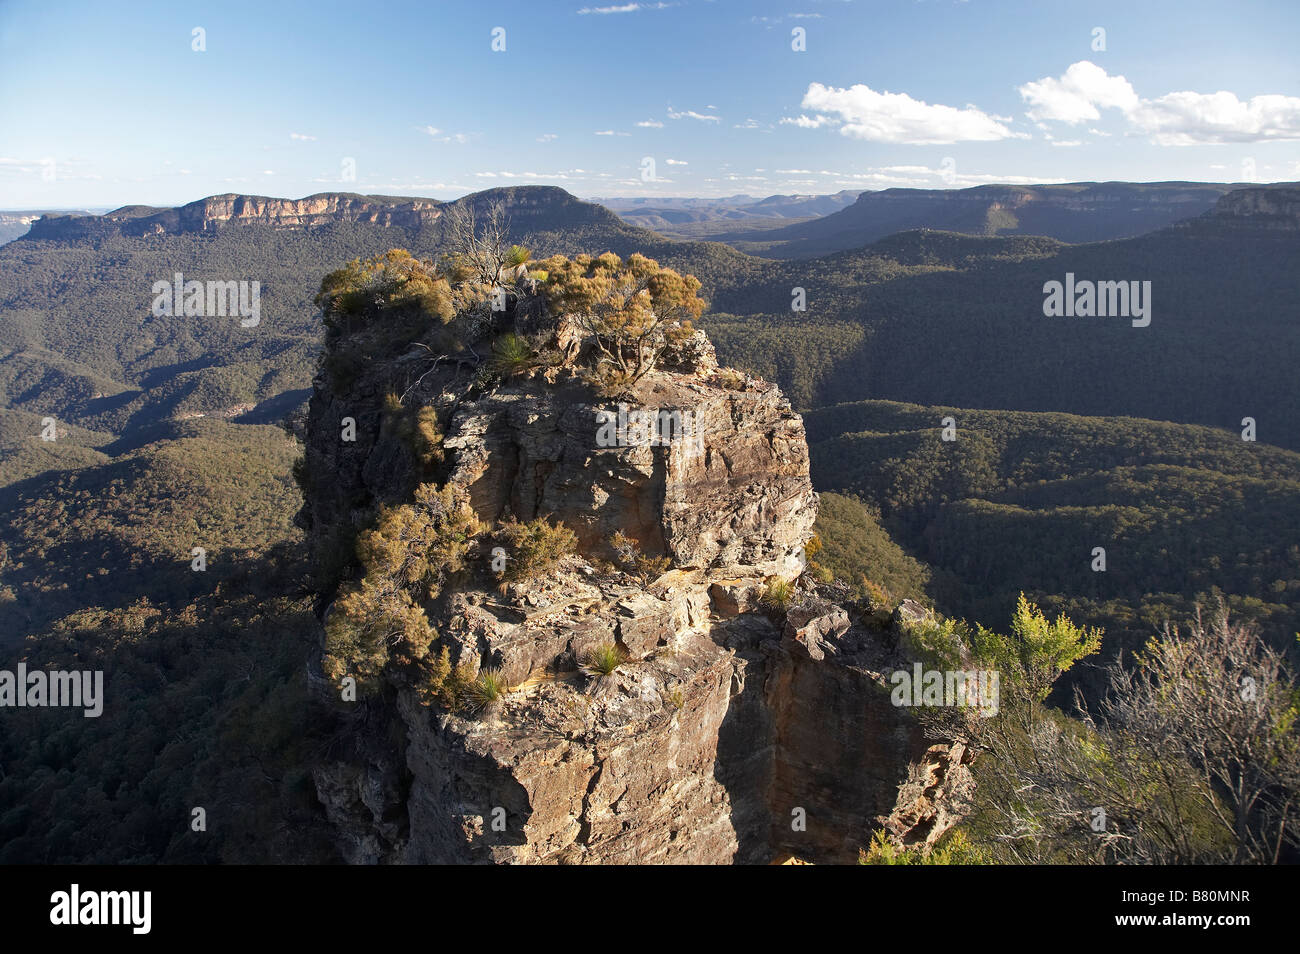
(1274,208)
(530,206)
(601,684)
(221,211)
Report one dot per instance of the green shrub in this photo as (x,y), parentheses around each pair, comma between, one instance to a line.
(421,544)
(633,561)
(877,597)
(511,354)
(942,644)
(369,621)
(731,380)
(407,556)
(603,659)
(609,380)
(417,427)
(1037,651)
(777,596)
(436,684)
(485,691)
(631,310)
(954,848)
(818,572)
(534,548)
(395,283)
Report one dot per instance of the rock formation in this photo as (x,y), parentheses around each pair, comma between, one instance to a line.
(547,206)
(220,211)
(1269,208)
(729,736)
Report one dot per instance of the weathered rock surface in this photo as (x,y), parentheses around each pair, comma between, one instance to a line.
(936,796)
(724,737)
(1274,207)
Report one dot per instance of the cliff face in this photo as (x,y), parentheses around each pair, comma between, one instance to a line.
(219,211)
(544,207)
(1275,208)
(726,737)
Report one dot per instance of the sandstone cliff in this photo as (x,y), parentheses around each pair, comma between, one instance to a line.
(1273,208)
(220,211)
(545,207)
(730,736)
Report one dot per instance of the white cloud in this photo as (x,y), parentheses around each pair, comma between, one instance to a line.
(611,132)
(459,138)
(748,124)
(1185,118)
(773,21)
(650,124)
(567,175)
(1075,96)
(547,137)
(625,8)
(691,114)
(676,162)
(916,177)
(393,186)
(808,122)
(1179,118)
(302,136)
(983,179)
(862,113)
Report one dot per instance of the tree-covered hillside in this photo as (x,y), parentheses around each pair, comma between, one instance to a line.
(1018,501)
(113,530)
(81,343)
(948,319)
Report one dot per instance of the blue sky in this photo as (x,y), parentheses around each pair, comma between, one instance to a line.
(105,104)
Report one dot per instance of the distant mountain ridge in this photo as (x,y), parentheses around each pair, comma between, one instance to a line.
(653,212)
(15,223)
(1275,207)
(879,321)
(216,212)
(1075,213)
